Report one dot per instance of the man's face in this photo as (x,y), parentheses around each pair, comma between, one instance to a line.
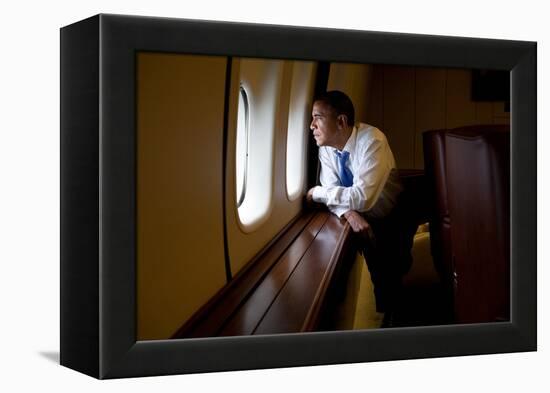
(324,124)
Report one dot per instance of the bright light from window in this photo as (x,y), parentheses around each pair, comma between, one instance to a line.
(242,146)
(298,127)
(261,81)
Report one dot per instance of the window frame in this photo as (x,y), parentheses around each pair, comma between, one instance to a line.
(246,105)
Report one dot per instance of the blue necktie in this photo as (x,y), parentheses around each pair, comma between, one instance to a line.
(346,177)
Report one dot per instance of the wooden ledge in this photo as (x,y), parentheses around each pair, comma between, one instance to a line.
(285,288)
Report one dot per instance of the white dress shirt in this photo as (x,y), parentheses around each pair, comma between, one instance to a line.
(376,183)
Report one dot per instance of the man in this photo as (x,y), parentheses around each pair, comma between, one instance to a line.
(359,182)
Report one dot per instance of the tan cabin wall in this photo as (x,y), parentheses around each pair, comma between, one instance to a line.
(180,251)
(418,99)
(404,101)
(354,80)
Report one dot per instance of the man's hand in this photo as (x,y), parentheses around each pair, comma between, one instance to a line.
(309,195)
(357,222)
(310,202)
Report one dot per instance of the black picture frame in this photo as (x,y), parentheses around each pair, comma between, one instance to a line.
(98,204)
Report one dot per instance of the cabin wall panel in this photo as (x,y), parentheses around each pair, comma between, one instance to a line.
(501,114)
(180,251)
(355,81)
(300,101)
(399,113)
(461,110)
(375,103)
(484,113)
(433,98)
(430,106)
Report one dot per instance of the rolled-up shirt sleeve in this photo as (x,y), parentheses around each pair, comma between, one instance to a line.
(372,168)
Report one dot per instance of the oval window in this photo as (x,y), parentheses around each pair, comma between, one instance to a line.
(241,157)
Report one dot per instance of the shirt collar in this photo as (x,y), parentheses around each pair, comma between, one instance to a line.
(350,144)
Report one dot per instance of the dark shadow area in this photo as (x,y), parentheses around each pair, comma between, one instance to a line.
(423,306)
(52,356)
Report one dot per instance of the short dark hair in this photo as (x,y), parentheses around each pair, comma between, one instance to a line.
(340,103)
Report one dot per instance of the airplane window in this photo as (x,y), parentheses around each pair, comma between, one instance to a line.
(242,145)
(259,95)
(298,127)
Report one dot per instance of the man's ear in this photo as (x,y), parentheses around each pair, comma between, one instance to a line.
(342,121)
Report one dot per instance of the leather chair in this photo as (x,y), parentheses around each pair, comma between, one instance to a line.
(440,224)
(468,174)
